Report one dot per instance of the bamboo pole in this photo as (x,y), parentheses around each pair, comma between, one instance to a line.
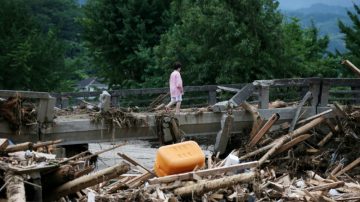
(205,186)
(90,180)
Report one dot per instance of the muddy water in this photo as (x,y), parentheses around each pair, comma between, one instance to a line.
(143,151)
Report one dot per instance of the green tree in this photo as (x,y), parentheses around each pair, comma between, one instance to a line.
(120,34)
(305,53)
(29,59)
(352,36)
(224,41)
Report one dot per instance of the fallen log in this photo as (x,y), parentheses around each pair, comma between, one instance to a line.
(206,186)
(19,147)
(89,180)
(15,189)
(280,141)
(202,173)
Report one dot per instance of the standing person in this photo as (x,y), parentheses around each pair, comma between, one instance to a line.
(176,88)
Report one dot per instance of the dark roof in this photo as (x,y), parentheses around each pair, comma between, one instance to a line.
(83,83)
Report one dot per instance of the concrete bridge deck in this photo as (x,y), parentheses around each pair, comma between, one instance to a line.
(79,129)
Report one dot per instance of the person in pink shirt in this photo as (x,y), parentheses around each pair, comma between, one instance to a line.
(176,88)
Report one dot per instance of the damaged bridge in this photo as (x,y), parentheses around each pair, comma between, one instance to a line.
(221,119)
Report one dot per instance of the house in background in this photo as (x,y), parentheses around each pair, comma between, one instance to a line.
(90,85)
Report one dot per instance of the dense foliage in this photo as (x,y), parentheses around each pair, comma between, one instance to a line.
(118,31)
(352,36)
(48,45)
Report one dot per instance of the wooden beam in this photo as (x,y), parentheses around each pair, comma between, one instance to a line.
(264,129)
(202,173)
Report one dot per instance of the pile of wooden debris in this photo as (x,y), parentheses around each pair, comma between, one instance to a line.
(313,159)
(306,163)
(17,112)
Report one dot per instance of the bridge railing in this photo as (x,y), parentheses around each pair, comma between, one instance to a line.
(324,90)
(194,96)
(327,90)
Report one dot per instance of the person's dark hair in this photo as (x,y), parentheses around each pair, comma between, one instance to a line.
(177,65)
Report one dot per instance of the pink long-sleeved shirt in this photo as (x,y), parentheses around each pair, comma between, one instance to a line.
(176,84)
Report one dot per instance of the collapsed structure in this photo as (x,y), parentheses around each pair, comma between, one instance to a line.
(300,151)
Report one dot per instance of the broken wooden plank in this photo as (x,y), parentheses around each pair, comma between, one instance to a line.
(257,119)
(202,173)
(264,129)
